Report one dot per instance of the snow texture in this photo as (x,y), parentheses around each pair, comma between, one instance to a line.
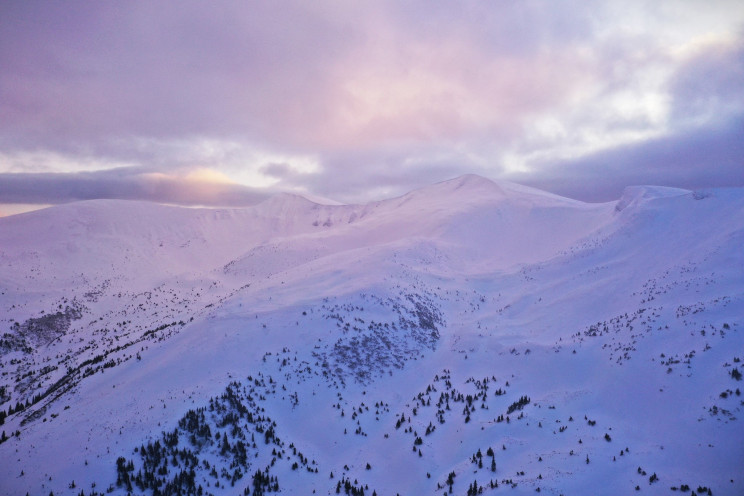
(468,337)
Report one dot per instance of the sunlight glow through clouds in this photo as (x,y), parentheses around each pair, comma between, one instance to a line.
(224,161)
(207,176)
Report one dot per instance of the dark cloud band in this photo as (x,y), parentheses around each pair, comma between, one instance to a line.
(53,188)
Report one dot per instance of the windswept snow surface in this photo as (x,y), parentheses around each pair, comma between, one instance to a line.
(468,334)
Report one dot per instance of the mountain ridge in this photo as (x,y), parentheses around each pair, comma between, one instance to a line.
(470,182)
(386,344)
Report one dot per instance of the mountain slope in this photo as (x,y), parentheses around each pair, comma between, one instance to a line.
(380,346)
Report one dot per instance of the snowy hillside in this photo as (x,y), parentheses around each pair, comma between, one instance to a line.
(466,338)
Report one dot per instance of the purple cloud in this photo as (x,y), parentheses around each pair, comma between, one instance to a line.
(710,84)
(694,159)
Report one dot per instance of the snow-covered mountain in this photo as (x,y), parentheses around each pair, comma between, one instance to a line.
(468,337)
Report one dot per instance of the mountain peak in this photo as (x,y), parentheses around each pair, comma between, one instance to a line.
(475,186)
(469,181)
(284,201)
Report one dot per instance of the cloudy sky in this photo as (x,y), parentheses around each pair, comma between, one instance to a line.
(224,103)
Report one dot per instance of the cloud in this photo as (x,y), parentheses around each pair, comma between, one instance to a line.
(205,188)
(277,170)
(357,101)
(87,71)
(701,145)
(693,159)
(287,74)
(709,85)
